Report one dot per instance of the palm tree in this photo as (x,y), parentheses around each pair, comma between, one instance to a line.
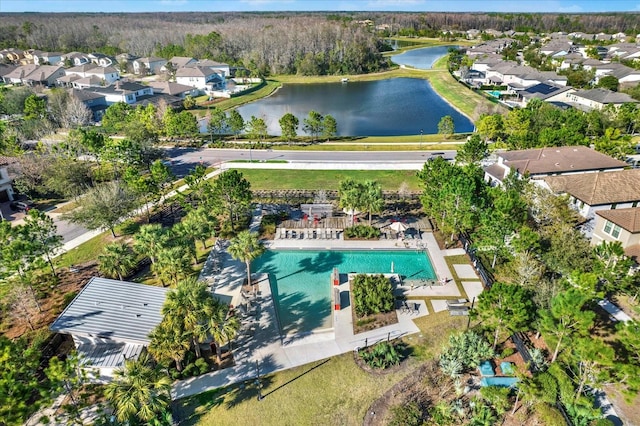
(372,199)
(246,247)
(187,308)
(172,264)
(140,392)
(116,260)
(222,326)
(169,344)
(150,240)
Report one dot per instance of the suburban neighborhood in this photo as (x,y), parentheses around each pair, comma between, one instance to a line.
(202,222)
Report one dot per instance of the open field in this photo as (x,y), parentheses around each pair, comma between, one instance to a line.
(269,179)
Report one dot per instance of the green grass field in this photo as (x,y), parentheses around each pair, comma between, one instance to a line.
(269,179)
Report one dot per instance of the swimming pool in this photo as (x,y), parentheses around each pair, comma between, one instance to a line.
(300,280)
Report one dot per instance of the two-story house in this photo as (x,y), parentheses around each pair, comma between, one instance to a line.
(592,192)
(35,75)
(597,98)
(542,162)
(148,65)
(622,225)
(204,79)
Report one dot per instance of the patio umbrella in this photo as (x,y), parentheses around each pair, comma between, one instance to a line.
(398,226)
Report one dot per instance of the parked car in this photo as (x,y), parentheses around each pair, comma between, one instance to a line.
(21,206)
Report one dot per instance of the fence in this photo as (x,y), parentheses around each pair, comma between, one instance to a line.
(485,275)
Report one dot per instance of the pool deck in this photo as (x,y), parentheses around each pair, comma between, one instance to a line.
(260,344)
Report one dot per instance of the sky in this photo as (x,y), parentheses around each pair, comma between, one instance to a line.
(550,6)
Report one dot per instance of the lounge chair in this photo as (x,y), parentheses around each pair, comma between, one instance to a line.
(294,235)
(416,308)
(320,233)
(301,234)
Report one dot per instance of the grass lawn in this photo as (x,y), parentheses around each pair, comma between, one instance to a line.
(326,179)
(333,391)
(86,251)
(270,87)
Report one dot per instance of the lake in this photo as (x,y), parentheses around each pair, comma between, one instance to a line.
(398,106)
(422,58)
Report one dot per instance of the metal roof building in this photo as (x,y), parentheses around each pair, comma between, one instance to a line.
(110,322)
(112,309)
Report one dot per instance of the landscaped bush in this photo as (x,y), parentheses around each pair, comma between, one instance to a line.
(507,352)
(372,294)
(406,415)
(381,356)
(469,349)
(362,231)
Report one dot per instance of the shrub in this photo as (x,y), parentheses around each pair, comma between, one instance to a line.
(68,297)
(548,415)
(382,355)
(498,398)
(362,231)
(507,352)
(469,348)
(372,294)
(268,224)
(202,366)
(406,415)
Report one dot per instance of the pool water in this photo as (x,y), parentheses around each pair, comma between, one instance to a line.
(300,280)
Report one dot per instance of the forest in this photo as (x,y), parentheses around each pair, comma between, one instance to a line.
(270,43)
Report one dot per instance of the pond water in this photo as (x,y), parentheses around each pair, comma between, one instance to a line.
(422,58)
(398,106)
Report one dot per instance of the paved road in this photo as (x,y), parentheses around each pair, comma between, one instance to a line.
(185,159)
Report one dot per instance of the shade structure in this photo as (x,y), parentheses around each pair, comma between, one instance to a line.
(398,226)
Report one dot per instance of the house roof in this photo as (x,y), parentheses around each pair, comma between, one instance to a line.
(496,171)
(111,354)
(197,71)
(544,91)
(169,87)
(118,310)
(181,61)
(92,80)
(82,68)
(604,96)
(554,160)
(85,95)
(42,72)
(120,87)
(150,59)
(599,188)
(156,99)
(628,219)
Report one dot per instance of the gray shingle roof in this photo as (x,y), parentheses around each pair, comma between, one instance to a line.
(118,310)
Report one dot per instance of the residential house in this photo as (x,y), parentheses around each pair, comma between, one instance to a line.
(35,75)
(484,62)
(11,55)
(75,59)
(108,75)
(592,192)
(6,188)
(179,62)
(148,65)
(96,102)
(174,89)
(123,91)
(557,48)
(542,162)
(621,225)
(102,60)
(110,322)
(473,33)
(47,58)
(221,68)
(6,69)
(548,92)
(204,79)
(597,98)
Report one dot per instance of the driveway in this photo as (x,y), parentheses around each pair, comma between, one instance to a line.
(67,230)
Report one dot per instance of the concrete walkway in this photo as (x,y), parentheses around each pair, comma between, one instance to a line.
(260,344)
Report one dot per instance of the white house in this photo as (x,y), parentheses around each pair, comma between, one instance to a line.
(204,79)
(110,322)
(596,98)
(108,75)
(123,91)
(47,58)
(220,68)
(179,62)
(35,75)
(150,65)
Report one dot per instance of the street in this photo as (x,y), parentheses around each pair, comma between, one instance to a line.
(185,159)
